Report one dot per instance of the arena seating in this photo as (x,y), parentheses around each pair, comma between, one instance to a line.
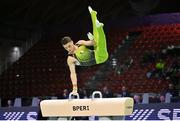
(43,71)
(152,38)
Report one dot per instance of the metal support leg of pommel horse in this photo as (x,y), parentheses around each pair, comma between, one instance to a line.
(87,107)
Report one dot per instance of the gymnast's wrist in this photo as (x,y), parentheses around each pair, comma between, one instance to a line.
(75,87)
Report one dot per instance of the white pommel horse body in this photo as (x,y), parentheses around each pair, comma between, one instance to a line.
(87,107)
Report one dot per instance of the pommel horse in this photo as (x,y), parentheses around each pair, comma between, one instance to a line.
(87,107)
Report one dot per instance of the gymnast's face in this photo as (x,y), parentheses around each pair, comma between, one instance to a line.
(70,47)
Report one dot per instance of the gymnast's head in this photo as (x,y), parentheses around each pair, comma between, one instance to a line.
(68,44)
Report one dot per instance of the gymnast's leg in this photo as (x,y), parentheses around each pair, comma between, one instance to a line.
(101,54)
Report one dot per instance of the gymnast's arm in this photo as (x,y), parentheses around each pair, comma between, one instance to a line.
(71,63)
(86,43)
